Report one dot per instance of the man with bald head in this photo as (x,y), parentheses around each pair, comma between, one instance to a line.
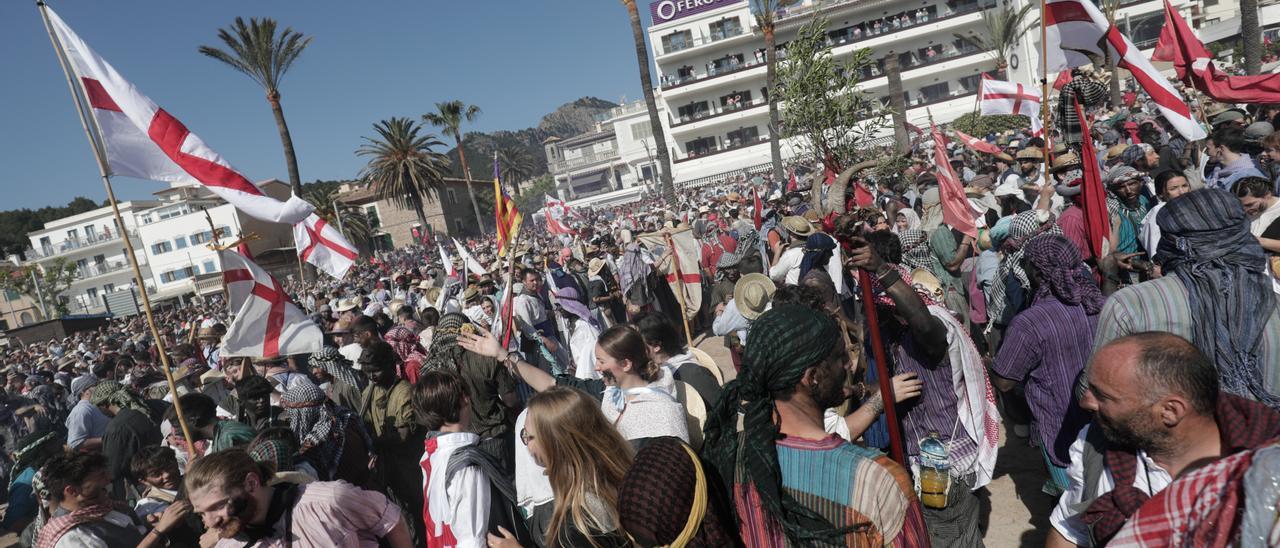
(1158,414)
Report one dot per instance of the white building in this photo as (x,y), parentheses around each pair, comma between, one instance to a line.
(95,244)
(169,236)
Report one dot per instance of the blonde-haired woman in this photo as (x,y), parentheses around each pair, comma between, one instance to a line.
(585,461)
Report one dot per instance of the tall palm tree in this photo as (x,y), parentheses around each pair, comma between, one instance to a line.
(516,166)
(257,51)
(449,116)
(764,11)
(349,219)
(1251,34)
(646,83)
(403,166)
(1109,8)
(1005,28)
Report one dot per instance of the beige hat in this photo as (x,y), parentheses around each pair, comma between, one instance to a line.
(923,280)
(752,294)
(595,266)
(1030,153)
(340,327)
(394,306)
(347,304)
(425,284)
(1065,161)
(797,225)
(1114,152)
(433,294)
(470,293)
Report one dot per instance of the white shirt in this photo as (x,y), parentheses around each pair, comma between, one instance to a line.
(1264,220)
(463,504)
(532,486)
(787,270)
(1149,232)
(352,353)
(529,311)
(1148,478)
(582,347)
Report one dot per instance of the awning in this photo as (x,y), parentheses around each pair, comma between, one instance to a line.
(1227,28)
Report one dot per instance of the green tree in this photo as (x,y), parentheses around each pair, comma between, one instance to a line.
(515,167)
(403,166)
(350,219)
(1005,27)
(646,84)
(832,118)
(980,125)
(449,116)
(765,10)
(258,52)
(55,279)
(534,197)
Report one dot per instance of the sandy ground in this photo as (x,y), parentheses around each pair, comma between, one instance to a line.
(1015,513)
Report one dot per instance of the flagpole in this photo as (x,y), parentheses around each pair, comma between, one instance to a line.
(684,314)
(508,307)
(90,130)
(1044,89)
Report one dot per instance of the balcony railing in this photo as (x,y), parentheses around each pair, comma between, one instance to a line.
(694,41)
(621,110)
(73,244)
(718,111)
(102,269)
(586,159)
(720,149)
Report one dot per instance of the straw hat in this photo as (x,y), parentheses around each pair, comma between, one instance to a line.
(924,280)
(595,266)
(425,284)
(395,305)
(1030,153)
(1064,162)
(1114,152)
(207,333)
(470,293)
(433,294)
(340,327)
(797,225)
(347,304)
(1004,158)
(752,293)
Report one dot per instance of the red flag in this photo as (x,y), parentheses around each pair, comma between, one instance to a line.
(757,213)
(243,249)
(956,211)
(861,196)
(828,175)
(1195,66)
(976,143)
(1063,78)
(1097,221)
(914,128)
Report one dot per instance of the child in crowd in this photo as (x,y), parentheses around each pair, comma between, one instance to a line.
(155,469)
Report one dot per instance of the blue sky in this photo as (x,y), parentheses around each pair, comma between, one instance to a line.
(517,60)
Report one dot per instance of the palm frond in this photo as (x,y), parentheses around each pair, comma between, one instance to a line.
(256,50)
(403,166)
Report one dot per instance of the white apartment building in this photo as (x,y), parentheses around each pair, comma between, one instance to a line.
(169,236)
(95,244)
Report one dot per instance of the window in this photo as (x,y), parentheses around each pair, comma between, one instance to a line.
(646,173)
(726,64)
(161,247)
(109,288)
(693,111)
(936,91)
(180,242)
(25,318)
(457,225)
(201,237)
(677,41)
(641,131)
(453,197)
(11,295)
(743,136)
(725,28)
(371,213)
(176,275)
(90,233)
(970,83)
(210,267)
(698,147)
(735,100)
(46,245)
(92,295)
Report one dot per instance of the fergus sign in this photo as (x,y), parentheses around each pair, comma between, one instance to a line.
(664,11)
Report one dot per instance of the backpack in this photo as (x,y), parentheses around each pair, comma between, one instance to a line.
(503,510)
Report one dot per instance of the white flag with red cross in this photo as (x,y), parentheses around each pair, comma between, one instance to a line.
(1000,97)
(1075,30)
(267,324)
(141,140)
(322,245)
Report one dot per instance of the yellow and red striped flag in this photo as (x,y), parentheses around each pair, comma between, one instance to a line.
(505,212)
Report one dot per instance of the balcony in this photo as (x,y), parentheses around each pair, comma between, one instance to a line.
(695,41)
(718,111)
(73,244)
(721,149)
(586,159)
(94,270)
(621,110)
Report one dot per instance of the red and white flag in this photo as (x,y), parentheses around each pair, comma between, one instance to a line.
(684,259)
(141,140)
(1000,97)
(449,270)
(267,324)
(976,143)
(322,245)
(956,211)
(468,261)
(1074,28)
(557,214)
(1194,63)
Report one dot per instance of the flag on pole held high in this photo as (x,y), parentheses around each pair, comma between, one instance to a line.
(1000,97)
(449,270)
(684,257)
(469,262)
(1097,220)
(557,213)
(322,245)
(1194,63)
(956,211)
(142,140)
(267,324)
(1074,28)
(505,213)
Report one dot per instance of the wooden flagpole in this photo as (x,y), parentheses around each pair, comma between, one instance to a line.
(1044,89)
(882,369)
(94,136)
(684,314)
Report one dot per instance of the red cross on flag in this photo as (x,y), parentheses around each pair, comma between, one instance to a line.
(322,245)
(141,140)
(267,324)
(686,257)
(1000,97)
(1075,29)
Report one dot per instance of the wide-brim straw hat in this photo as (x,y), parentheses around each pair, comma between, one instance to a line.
(1064,162)
(1030,153)
(347,304)
(752,293)
(433,294)
(797,225)
(595,266)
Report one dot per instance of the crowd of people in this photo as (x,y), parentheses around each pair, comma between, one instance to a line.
(553,396)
